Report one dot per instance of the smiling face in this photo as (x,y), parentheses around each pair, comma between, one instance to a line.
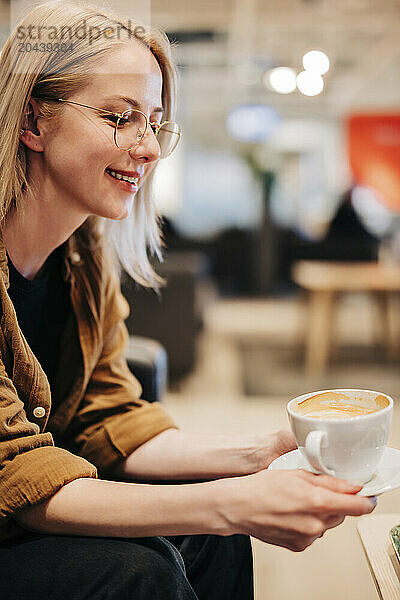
(80,148)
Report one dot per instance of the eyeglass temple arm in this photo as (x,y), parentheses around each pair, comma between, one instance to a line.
(102,110)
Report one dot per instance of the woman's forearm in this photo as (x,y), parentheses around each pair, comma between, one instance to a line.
(96,507)
(174,454)
(285,508)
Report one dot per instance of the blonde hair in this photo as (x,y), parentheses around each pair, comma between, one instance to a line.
(43,75)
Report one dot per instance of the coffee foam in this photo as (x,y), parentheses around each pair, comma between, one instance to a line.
(337,405)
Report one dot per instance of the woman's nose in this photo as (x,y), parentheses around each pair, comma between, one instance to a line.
(148,147)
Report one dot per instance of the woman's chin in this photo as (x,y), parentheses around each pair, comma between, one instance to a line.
(118,213)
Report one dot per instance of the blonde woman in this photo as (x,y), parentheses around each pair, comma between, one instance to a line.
(82,127)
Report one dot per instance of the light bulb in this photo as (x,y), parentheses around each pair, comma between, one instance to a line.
(316,61)
(310,84)
(281,80)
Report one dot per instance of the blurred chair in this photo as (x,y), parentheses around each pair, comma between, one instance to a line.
(172,318)
(147,359)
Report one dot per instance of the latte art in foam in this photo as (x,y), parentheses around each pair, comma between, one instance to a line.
(333,405)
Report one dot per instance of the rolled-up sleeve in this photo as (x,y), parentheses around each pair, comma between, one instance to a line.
(113,421)
(31,468)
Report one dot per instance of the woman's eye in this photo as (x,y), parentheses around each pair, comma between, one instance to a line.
(116,120)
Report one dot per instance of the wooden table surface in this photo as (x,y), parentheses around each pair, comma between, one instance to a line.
(346,276)
(374,531)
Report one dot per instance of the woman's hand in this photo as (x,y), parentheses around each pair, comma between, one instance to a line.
(273,445)
(290,508)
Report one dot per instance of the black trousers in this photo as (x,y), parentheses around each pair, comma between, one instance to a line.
(197,567)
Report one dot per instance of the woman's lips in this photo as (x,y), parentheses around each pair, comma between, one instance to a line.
(125,185)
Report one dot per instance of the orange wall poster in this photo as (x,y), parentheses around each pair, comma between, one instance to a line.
(374,154)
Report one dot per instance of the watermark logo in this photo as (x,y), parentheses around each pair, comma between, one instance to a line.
(47,33)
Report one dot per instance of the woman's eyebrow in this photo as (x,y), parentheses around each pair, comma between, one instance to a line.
(133,103)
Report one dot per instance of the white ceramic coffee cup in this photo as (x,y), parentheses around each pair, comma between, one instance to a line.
(350,448)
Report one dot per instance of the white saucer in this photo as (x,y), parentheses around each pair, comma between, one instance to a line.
(386,478)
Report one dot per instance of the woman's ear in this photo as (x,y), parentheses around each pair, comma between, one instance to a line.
(30,134)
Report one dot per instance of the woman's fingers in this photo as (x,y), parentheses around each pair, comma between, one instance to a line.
(337,496)
(325,501)
(332,521)
(332,483)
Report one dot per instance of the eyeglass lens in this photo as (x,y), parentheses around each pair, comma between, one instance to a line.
(132,127)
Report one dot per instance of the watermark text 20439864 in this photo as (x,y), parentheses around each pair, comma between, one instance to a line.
(45,47)
(81,31)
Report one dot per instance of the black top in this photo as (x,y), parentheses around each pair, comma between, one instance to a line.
(42,306)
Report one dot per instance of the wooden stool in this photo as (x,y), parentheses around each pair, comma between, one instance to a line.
(324,281)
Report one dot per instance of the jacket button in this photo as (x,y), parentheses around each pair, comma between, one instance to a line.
(39,412)
(75,257)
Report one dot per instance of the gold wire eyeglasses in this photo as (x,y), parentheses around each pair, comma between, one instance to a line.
(131,126)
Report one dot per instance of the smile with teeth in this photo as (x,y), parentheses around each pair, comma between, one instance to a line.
(133,180)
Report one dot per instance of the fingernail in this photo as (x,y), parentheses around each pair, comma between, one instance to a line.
(355,483)
(373,500)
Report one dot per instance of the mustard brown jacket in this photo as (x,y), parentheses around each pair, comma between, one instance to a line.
(99,418)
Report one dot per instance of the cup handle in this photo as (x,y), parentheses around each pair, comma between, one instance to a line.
(314,442)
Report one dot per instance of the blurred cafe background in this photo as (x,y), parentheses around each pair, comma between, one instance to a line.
(281,221)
